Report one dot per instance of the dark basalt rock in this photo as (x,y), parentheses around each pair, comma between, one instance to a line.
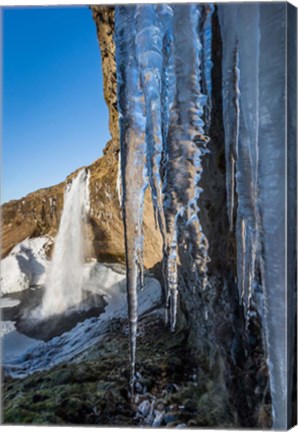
(55,325)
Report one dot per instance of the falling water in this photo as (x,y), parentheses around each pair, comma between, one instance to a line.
(64,279)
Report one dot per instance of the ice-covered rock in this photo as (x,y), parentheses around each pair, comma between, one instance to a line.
(25,265)
(144,407)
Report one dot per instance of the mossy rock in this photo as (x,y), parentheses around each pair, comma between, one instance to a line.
(94,390)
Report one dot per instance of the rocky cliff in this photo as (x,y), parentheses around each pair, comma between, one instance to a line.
(39,214)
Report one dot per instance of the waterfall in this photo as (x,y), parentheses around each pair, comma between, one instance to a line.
(64,278)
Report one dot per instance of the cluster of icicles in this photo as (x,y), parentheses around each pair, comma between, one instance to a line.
(164,86)
(163,55)
(253,85)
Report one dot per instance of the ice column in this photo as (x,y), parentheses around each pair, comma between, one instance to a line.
(162,133)
(133,159)
(254,120)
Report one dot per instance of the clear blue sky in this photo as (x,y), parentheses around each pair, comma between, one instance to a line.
(54,115)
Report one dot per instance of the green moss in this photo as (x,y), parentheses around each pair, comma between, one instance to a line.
(94,390)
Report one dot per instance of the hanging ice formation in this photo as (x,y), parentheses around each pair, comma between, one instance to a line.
(254,85)
(163,55)
(164,101)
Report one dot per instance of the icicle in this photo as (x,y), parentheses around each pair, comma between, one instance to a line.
(119,181)
(133,161)
(206,36)
(241,171)
(186,142)
(243,252)
(161,106)
(272,157)
(259,30)
(172,280)
(231,112)
(149,52)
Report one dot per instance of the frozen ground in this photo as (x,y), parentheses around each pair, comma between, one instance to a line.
(13,343)
(44,355)
(22,355)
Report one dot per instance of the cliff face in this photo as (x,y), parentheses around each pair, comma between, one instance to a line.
(39,212)
(104,19)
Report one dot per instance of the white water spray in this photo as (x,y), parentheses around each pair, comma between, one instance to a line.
(64,279)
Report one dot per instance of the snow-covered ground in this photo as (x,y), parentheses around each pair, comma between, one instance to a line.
(15,344)
(84,335)
(25,266)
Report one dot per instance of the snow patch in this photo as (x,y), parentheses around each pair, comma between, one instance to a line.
(9,302)
(69,345)
(6,327)
(25,265)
